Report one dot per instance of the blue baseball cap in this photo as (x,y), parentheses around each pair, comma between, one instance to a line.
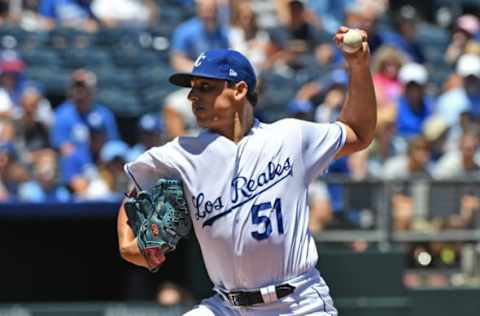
(113,149)
(224,64)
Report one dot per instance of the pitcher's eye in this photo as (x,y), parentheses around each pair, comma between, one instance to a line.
(205,87)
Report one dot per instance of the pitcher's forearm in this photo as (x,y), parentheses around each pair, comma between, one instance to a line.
(360,109)
(127,243)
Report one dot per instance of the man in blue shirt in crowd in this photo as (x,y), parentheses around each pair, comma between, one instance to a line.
(70,131)
(413,107)
(197,35)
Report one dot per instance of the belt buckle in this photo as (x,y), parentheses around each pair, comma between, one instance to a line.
(234,299)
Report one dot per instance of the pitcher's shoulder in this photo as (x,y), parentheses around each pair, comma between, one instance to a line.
(194,144)
(286,125)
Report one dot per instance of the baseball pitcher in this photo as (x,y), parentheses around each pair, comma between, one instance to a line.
(244,185)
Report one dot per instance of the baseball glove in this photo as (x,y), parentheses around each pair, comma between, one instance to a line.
(159,219)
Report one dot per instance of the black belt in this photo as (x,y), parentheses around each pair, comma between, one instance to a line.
(239,298)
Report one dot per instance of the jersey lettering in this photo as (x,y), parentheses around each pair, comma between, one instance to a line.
(244,189)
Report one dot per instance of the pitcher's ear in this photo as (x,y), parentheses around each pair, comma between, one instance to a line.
(241,90)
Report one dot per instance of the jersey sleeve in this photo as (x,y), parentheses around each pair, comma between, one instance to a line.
(150,166)
(320,143)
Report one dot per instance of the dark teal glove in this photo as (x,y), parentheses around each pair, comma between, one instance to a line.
(159,219)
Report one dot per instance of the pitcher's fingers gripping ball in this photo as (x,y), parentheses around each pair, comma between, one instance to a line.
(159,219)
(350,40)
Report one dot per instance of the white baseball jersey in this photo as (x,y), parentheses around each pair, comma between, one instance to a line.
(248,201)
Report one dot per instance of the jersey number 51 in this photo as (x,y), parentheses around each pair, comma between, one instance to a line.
(258,219)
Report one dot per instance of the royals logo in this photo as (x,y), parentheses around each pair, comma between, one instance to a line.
(199,60)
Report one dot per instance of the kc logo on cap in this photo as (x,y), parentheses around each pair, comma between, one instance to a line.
(222,64)
(199,60)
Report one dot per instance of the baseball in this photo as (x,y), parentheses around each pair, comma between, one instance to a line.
(352,41)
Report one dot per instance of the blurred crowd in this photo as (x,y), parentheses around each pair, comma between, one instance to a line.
(83,90)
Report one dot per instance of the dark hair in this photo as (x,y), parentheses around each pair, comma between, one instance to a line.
(252,96)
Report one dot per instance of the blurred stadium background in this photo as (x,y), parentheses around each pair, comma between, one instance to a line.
(83,89)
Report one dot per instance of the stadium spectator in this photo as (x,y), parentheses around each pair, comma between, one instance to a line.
(32,134)
(76,169)
(98,135)
(321,98)
(6,104)
(113,156)
(26,14)
(413,164)
(467,216)
(126,13)
(460,163)
(436,131)
(408,168)
(70,127)
(465,31)
(295,39)
(335,94)
(330,12)
(150,130)
(386,143)
(386,65)
(364,15)
(8,185)
(413,106)
(101,182)
(406,22)
(44,186)
(12,172)
(246,37)
(197,35)
(14,85)
(5,16)
(69,13)
(465,98)
(12,77)
(70,134)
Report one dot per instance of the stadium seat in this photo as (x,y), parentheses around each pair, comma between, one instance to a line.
(88,58)
(69,39)
(53,79)
(173,14)
(154,75)
(154,96)
(114,77)
(108,37)
(444,198)
(134,57)
(11,36)
(123,103)
(278,91)
(34,40)
(40,57)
